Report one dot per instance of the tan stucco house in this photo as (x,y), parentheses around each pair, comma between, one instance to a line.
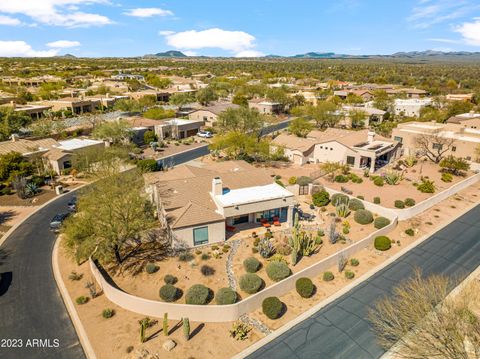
(198,203)
(265,106)
(209,114)
(359,149)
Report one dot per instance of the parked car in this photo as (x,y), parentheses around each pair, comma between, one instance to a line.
(57,221)
(72,204)
(204,134)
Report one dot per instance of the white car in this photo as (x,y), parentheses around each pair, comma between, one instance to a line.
(204,134)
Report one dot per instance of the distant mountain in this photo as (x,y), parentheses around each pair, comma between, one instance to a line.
(316,55)
(171,53)
(436,54)
(273,56)
(69,56)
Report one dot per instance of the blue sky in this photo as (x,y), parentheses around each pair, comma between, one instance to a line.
(98,28)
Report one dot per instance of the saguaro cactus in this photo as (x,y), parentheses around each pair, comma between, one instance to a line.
(186,328)
(165,324)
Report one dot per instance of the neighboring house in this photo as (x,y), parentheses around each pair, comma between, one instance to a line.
(470,120)
(460,97)
(209,114)
(199,203)
(359,149)
(57,154)
(366,95)
(105,101)
(75,104)
(33,110)
(372,115)
(310,97)
(466,140)
(408,92)
(410,107)
(265,106)
(178,128)
(123,77)
(161,96)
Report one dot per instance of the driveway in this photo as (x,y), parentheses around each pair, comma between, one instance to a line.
(340,329)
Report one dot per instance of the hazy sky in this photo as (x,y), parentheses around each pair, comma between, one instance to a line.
(236,28)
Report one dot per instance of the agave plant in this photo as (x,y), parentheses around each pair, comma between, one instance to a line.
(393,177)
(410,161)
(31,189)
(265,248)
(342,210)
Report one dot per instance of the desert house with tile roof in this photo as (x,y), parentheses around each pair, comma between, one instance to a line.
(359,149)
(209,114)
(200,203)
(265,106)
(465,139)
(57,155)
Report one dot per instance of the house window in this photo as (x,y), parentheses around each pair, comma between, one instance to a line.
(331,149)
(454,148)
(398,139)
(200,236)
(350,160)
(437,146)
(205,118)
(303,190)
(67,164)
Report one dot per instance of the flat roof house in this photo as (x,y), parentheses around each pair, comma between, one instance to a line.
(75,104)
(209,114)
(265,106)
(470,120)
(198,204)
(178,128)
(465,139)
(467,97)
(411,107)
(33,110)
(359,149)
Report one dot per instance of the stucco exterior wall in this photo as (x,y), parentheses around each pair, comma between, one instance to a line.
(202,115)
(216,233)
(258,206)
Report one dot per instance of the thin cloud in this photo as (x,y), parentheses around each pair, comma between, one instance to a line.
(64,13)
(236,42)
(470,32)
(23,49)
(148,12)
(63,44)
(430,12)
(9,21)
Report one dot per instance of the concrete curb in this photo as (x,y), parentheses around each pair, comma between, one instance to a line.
(77,323)
(14,227)
(262,342)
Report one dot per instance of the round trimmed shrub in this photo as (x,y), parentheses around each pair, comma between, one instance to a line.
(108,313)
(304,180)
(81,300)
(349,274)
(354,262)
(304,287)
(378,181)
(151,268)
(363,216)
(355,204)
(207,271)
(250,283)
(382,243)
(338,198)
(321,198)
(277,271)
(328,276)
(381,222)
(272,307)
(341,179)
(169,293)
(226,296)
(197,294)
(447,177)
(170,279)
(376,200)
(399,204)
(409,202)
(251,264)
(410,232)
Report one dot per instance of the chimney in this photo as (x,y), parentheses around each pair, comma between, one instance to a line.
(14,137)
(370,136)
(217,186)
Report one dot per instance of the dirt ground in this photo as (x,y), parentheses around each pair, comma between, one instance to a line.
(111,337)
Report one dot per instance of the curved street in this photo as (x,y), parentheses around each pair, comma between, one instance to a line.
(340,330)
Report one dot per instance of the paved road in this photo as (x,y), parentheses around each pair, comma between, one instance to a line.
(30,304)
(340,330)
(183,157)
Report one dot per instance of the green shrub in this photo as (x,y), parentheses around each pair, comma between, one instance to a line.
(409,202)
(304,287)
(185,257)
(81,300)
(108,313)
(197,294)
(382,243)
(205,257)
(170,279)
(341,179)
(349,274)
(447,177)
(378,181)
(272,307)
(355,204)
(354,178)
(354,262)
(363,216)
(381,222)
(277,271)
(321,198)
(250,283)
(410,232)
(169,293)
(292,180)
(207,271)
(151,268)
(226,296)
(426,186)
(147,165)
(304,180)
(399,204)
(338,198)
(251,264)
(328,276)
(376,200)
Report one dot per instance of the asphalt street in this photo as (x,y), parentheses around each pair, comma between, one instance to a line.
(340,329)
